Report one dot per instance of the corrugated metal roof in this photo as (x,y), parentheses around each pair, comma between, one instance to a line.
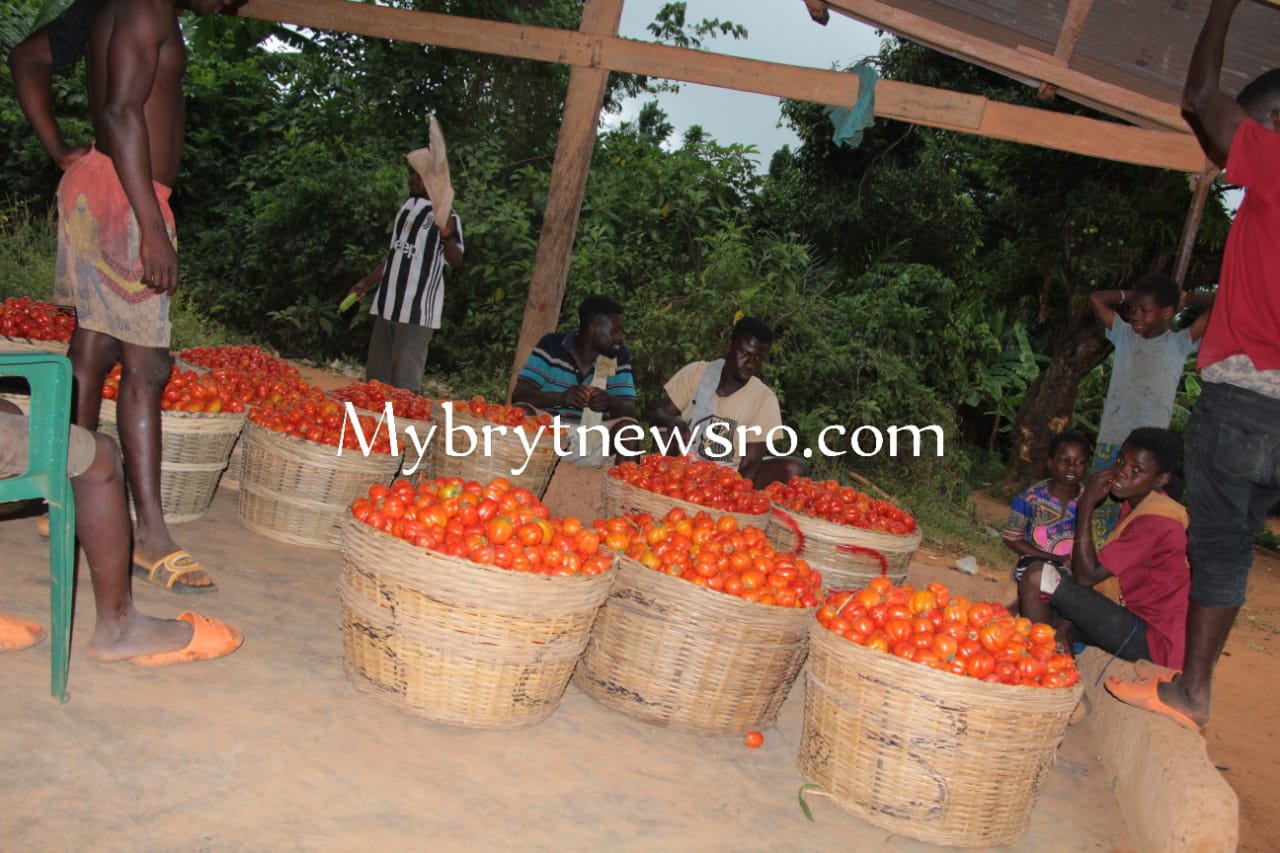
(1140,45)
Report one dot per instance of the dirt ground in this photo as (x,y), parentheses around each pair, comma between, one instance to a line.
(1242,737)
(273,748)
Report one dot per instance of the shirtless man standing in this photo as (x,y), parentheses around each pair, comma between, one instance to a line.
(117,257)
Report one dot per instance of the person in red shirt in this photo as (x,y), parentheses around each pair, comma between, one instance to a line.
(1147,552)
(1233,437)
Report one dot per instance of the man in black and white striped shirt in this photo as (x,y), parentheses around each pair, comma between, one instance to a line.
(410,296)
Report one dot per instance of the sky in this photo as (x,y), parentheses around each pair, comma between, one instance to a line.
(777,31)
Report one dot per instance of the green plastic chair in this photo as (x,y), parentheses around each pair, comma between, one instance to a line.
(50,378)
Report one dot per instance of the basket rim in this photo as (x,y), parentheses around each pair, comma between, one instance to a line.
(625,562)
(306,442)
(411,550)
(910,670)
(832,529)
(612,481)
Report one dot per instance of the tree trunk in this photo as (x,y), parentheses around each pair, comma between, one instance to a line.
(1051,398)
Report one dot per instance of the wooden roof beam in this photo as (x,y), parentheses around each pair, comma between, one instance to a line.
(902,101)
(1072,26)
(1011,61)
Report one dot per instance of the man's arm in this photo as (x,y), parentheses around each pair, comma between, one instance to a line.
(1216,113)
(1085,567)
(133,58)
(666,415)
(527,391)
(31,64)
(1104,302)
(364,285)
(1200,300)
(449,242)
(749,465)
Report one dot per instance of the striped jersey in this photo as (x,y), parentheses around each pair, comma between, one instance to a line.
(412,288)
(552,367)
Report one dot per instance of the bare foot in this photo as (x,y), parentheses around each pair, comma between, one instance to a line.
(138,635)
(42,525)
(1174,694)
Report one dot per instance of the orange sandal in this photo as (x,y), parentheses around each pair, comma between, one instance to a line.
(210,639)
(1145,694)
(17,634)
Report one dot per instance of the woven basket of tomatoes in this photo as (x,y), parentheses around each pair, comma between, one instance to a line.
(28,324)
(200,422)
(501,452)
(706,626)
(932,717)
(657,484)
(467,604)
(407,410)
(260,379)
(850,535)
(303,466)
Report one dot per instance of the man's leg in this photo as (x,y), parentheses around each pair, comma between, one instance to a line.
(409,355)
(145,370)
(377,365)
(102,524)
(1098,620)
(1232,457)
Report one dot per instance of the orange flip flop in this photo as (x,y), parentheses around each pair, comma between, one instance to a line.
(210,639)
(1145,694)
(17,634)
(1147,669)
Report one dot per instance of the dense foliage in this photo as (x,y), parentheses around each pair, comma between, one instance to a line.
(922,278)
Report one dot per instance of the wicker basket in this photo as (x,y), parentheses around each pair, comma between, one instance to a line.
(848,557)
(9,344)
(507,453)
(674,654)
(455,641)
(409,450)
(297,491)
(185,366)
(195,452)
(621,497)
(939,757)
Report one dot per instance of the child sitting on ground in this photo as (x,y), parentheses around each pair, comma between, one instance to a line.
(1147,552)
(1042,520)
(1147,369)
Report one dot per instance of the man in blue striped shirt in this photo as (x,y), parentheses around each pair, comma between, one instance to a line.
(558,375)
(410,297)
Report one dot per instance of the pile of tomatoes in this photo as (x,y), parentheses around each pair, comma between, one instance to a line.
(512,416)
(949,633)
(840,504)
(186,391)
(698,482)
(495,524)
(714,552)
(246,359)
(24,317)
(375,395)
(322,420)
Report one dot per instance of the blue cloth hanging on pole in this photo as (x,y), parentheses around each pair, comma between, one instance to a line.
(852,122)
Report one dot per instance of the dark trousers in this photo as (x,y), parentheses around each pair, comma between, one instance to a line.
(398,354)
(1232,450)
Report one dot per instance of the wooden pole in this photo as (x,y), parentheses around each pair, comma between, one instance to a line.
(576,143)
(1202,183)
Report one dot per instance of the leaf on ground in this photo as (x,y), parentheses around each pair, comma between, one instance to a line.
(804,807)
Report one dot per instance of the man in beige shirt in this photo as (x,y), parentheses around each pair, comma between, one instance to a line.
(724,412)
